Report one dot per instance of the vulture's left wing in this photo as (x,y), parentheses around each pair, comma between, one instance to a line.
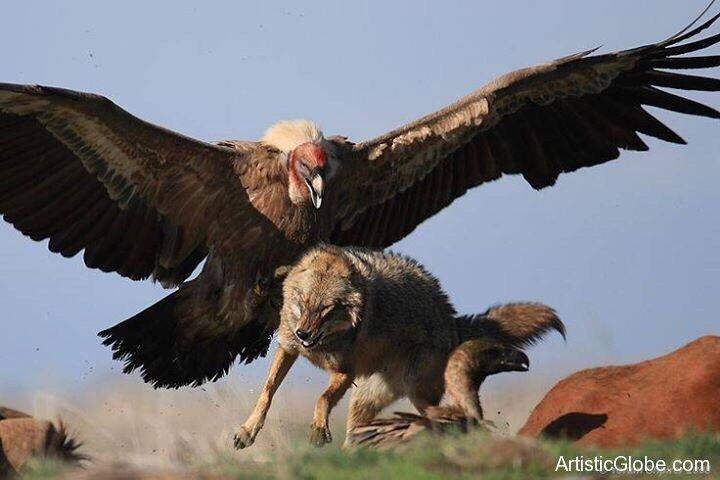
(541,121)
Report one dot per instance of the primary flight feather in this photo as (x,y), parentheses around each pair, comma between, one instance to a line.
(146,202)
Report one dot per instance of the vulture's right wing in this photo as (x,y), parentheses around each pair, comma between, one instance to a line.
(539,122)
(139,199)
(401,428)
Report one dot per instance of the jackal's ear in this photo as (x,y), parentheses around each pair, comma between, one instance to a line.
(356,300)
(356,296)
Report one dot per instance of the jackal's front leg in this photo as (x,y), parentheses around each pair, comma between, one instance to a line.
(320,430)
(282,361)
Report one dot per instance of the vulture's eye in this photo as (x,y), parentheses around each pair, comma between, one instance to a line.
(493,352)
(303,169)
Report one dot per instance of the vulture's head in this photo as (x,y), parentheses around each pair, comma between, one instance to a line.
(489,357)
(323,298)
(306,152)
(506,359)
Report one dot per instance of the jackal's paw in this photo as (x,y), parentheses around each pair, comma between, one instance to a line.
(319,436)
(243,438)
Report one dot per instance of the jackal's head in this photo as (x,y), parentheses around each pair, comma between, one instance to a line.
(323,297)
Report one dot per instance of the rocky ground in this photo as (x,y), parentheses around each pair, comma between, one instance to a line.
(660,409)
(455,457)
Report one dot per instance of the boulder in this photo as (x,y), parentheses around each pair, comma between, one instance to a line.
(661,398)
(7,413)
(23,437)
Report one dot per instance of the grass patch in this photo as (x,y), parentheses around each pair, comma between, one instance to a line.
(453,457)
(41,469)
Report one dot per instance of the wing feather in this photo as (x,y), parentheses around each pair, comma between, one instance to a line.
(540,122)
(684,63)
(81,172)
(651,96)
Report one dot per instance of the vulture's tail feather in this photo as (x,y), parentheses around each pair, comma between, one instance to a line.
(178,342)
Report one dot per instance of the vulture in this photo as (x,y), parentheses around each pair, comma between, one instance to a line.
(146,202)
(461,411)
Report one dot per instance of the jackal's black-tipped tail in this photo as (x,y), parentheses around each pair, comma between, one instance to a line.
(512,324)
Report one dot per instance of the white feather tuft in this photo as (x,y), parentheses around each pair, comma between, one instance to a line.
(288,134)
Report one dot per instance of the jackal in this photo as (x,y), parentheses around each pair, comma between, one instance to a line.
(467,367)
(381,322)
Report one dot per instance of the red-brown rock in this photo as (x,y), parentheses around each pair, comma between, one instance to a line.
(23,437)
(622,405)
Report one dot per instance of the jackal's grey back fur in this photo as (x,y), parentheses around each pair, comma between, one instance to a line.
(402,291)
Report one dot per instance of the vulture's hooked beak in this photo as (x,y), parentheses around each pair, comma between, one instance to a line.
(512,360)
(315,185)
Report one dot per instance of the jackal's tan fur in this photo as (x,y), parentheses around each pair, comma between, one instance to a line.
(381,322)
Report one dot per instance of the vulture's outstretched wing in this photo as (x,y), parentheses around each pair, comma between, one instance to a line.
(401,428)
(574,112)
(139,199)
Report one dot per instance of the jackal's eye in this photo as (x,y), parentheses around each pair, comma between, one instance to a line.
(327,309)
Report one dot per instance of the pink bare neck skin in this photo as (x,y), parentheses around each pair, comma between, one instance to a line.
(313,156)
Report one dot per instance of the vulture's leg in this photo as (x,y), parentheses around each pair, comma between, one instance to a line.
(319,430)
(283,360)
(368,399)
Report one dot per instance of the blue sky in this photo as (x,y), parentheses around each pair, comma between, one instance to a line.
(626,252)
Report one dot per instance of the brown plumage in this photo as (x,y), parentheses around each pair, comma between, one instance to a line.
(467,367)
(539,122)
(402,427)
(144,202)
